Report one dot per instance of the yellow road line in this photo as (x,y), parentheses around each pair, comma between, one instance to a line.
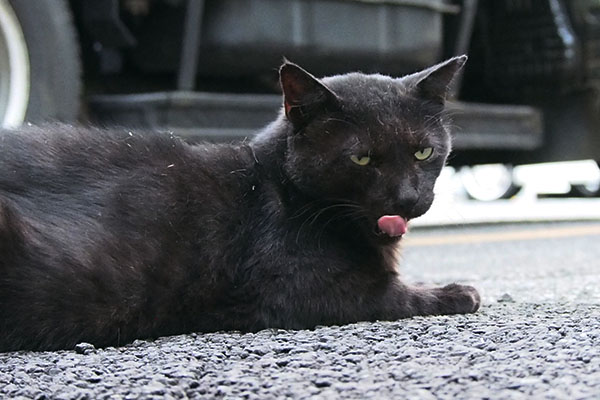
(509,236)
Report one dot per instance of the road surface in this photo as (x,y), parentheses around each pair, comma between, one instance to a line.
(536,336)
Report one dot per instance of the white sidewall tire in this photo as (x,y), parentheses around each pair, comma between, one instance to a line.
(488,182)
(15,68)
(55,84)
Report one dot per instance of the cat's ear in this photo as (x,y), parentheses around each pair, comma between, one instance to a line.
(303,95)
(433,83)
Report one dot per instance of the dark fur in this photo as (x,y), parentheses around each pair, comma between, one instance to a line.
(110,236)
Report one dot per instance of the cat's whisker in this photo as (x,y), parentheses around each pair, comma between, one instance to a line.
(312,218)
(435,119)
(322,210)
(303,210)
(355,212)
(353,124)
(342,201)
(314,214)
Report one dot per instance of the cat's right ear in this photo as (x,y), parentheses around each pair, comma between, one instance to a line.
(304,96)
(434,82)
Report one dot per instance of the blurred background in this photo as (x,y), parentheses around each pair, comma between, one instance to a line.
(525,109)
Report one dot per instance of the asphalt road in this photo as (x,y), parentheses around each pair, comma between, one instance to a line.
(537,336)
(532,263)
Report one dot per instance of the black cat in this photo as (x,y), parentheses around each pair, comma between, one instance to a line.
(110,236)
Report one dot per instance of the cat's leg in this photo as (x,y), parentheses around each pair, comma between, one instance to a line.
(351,298)
(449,299)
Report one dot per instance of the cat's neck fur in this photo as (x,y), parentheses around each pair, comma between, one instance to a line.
(270,145)
(270,148)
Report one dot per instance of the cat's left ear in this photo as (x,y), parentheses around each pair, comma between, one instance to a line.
(433,83)
(304,96)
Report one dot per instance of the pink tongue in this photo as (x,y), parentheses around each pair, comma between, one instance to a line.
(393,225)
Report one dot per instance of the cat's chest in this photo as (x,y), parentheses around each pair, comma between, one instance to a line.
(278,237)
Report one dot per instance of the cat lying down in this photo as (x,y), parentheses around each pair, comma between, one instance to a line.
(109,236)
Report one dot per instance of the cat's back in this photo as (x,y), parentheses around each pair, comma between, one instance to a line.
(54,146)
(50,172)
(61,159)
(67,149)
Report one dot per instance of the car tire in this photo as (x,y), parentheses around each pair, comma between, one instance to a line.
(488,182)
(590,190)
(585,191)
(40,67)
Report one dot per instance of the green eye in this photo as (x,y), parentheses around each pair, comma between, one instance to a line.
(360,161)
(424,154)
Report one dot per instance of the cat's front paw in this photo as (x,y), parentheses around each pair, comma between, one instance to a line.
(460,299)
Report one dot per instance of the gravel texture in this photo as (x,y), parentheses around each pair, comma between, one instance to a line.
(526,342)
(508,350)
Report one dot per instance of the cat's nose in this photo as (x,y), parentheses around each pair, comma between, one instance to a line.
(407,201)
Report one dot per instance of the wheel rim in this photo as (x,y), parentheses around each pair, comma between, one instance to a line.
(487,182)
(14,69)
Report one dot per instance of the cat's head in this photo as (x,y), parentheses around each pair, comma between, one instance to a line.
(372,141)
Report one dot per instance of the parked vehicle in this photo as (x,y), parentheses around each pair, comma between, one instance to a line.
(488,182)
(207,68)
